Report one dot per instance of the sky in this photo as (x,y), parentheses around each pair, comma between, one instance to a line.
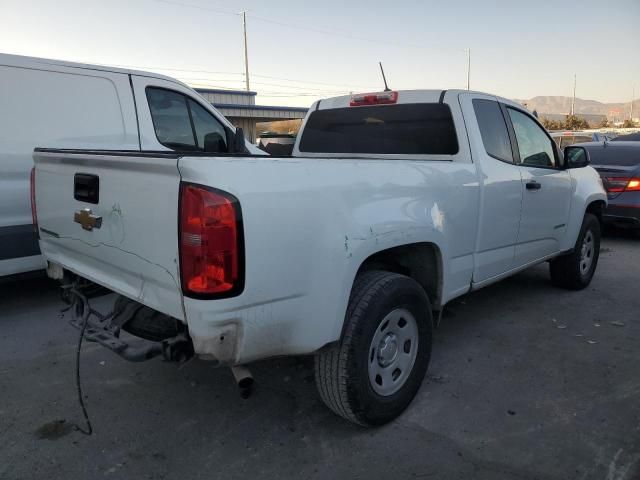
(300,50)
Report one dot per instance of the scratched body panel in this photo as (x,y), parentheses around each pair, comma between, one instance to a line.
(309,225)
(135,249)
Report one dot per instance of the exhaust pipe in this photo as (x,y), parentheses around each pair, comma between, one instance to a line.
(244,380)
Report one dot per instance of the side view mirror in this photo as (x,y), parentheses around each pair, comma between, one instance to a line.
(576,157)
(237,141)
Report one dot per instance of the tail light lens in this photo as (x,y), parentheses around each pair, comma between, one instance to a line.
(34,214)
(622,184)
(382,98)
(211,242)
(633,185)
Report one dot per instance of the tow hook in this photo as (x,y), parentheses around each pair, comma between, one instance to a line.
(244,380)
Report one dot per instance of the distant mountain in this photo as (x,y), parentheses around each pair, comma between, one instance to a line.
(562,105)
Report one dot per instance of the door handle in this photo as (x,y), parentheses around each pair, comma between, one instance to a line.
(86,187)
(533,185)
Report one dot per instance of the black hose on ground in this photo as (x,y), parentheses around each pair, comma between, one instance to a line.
(86,311)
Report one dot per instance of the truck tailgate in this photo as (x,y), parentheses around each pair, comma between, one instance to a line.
(112,217)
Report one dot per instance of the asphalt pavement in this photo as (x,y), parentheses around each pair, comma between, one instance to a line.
(526,382)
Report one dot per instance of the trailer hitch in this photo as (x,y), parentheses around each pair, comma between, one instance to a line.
(103,329)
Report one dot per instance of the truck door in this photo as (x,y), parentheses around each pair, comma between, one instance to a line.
(500,182)
(546,190)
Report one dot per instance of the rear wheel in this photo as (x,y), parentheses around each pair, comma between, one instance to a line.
(376,369)
(576,269)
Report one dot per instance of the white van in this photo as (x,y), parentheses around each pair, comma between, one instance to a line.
(50,103)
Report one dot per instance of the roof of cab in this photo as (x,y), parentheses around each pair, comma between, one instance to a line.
(24,61)
(407,96)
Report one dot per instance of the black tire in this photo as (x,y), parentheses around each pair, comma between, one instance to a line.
(566,270)
(341,369)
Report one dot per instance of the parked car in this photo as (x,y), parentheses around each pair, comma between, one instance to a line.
(630,137)
(570,137)
(279,144)
(618,163)
(64,104)
(392,205)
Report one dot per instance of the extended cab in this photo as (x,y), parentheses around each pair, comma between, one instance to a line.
(392,204)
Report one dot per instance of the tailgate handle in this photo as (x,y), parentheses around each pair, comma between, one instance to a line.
(86,187)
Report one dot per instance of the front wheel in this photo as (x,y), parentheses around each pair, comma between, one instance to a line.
(376,369)
(575,270)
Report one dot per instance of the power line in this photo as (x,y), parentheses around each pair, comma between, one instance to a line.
(309,28)
(268,93)
(272,93)
(309,81)
(138,67)
(268,84)
(186,70)
(315,29)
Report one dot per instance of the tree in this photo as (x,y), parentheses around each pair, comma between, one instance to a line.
(571,122)
(550,124)
(628,123)
(604,123)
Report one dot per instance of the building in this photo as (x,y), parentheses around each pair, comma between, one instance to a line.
(239,106)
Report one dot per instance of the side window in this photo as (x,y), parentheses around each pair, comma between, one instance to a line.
(171,120)
(493,129)
(534,146)
(210,134)
(183,124)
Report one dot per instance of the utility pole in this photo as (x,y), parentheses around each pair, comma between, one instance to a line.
(573,101)
(633,95)
(468,68)
(246,50)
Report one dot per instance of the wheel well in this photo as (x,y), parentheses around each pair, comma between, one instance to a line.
(596,208)
(420,261)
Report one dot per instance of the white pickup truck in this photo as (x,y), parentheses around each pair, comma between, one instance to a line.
(392,204)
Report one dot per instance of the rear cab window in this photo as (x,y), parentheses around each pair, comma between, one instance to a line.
(399,129)
(493,129)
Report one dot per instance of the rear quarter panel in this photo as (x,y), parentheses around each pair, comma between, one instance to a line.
(308,226)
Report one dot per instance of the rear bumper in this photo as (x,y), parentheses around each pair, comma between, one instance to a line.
(624,210)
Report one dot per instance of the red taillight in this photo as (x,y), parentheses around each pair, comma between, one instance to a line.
(622,184)
(211,262)
(34,214)
(382,98)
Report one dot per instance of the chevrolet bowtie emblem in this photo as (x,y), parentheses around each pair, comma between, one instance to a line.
(87,219)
